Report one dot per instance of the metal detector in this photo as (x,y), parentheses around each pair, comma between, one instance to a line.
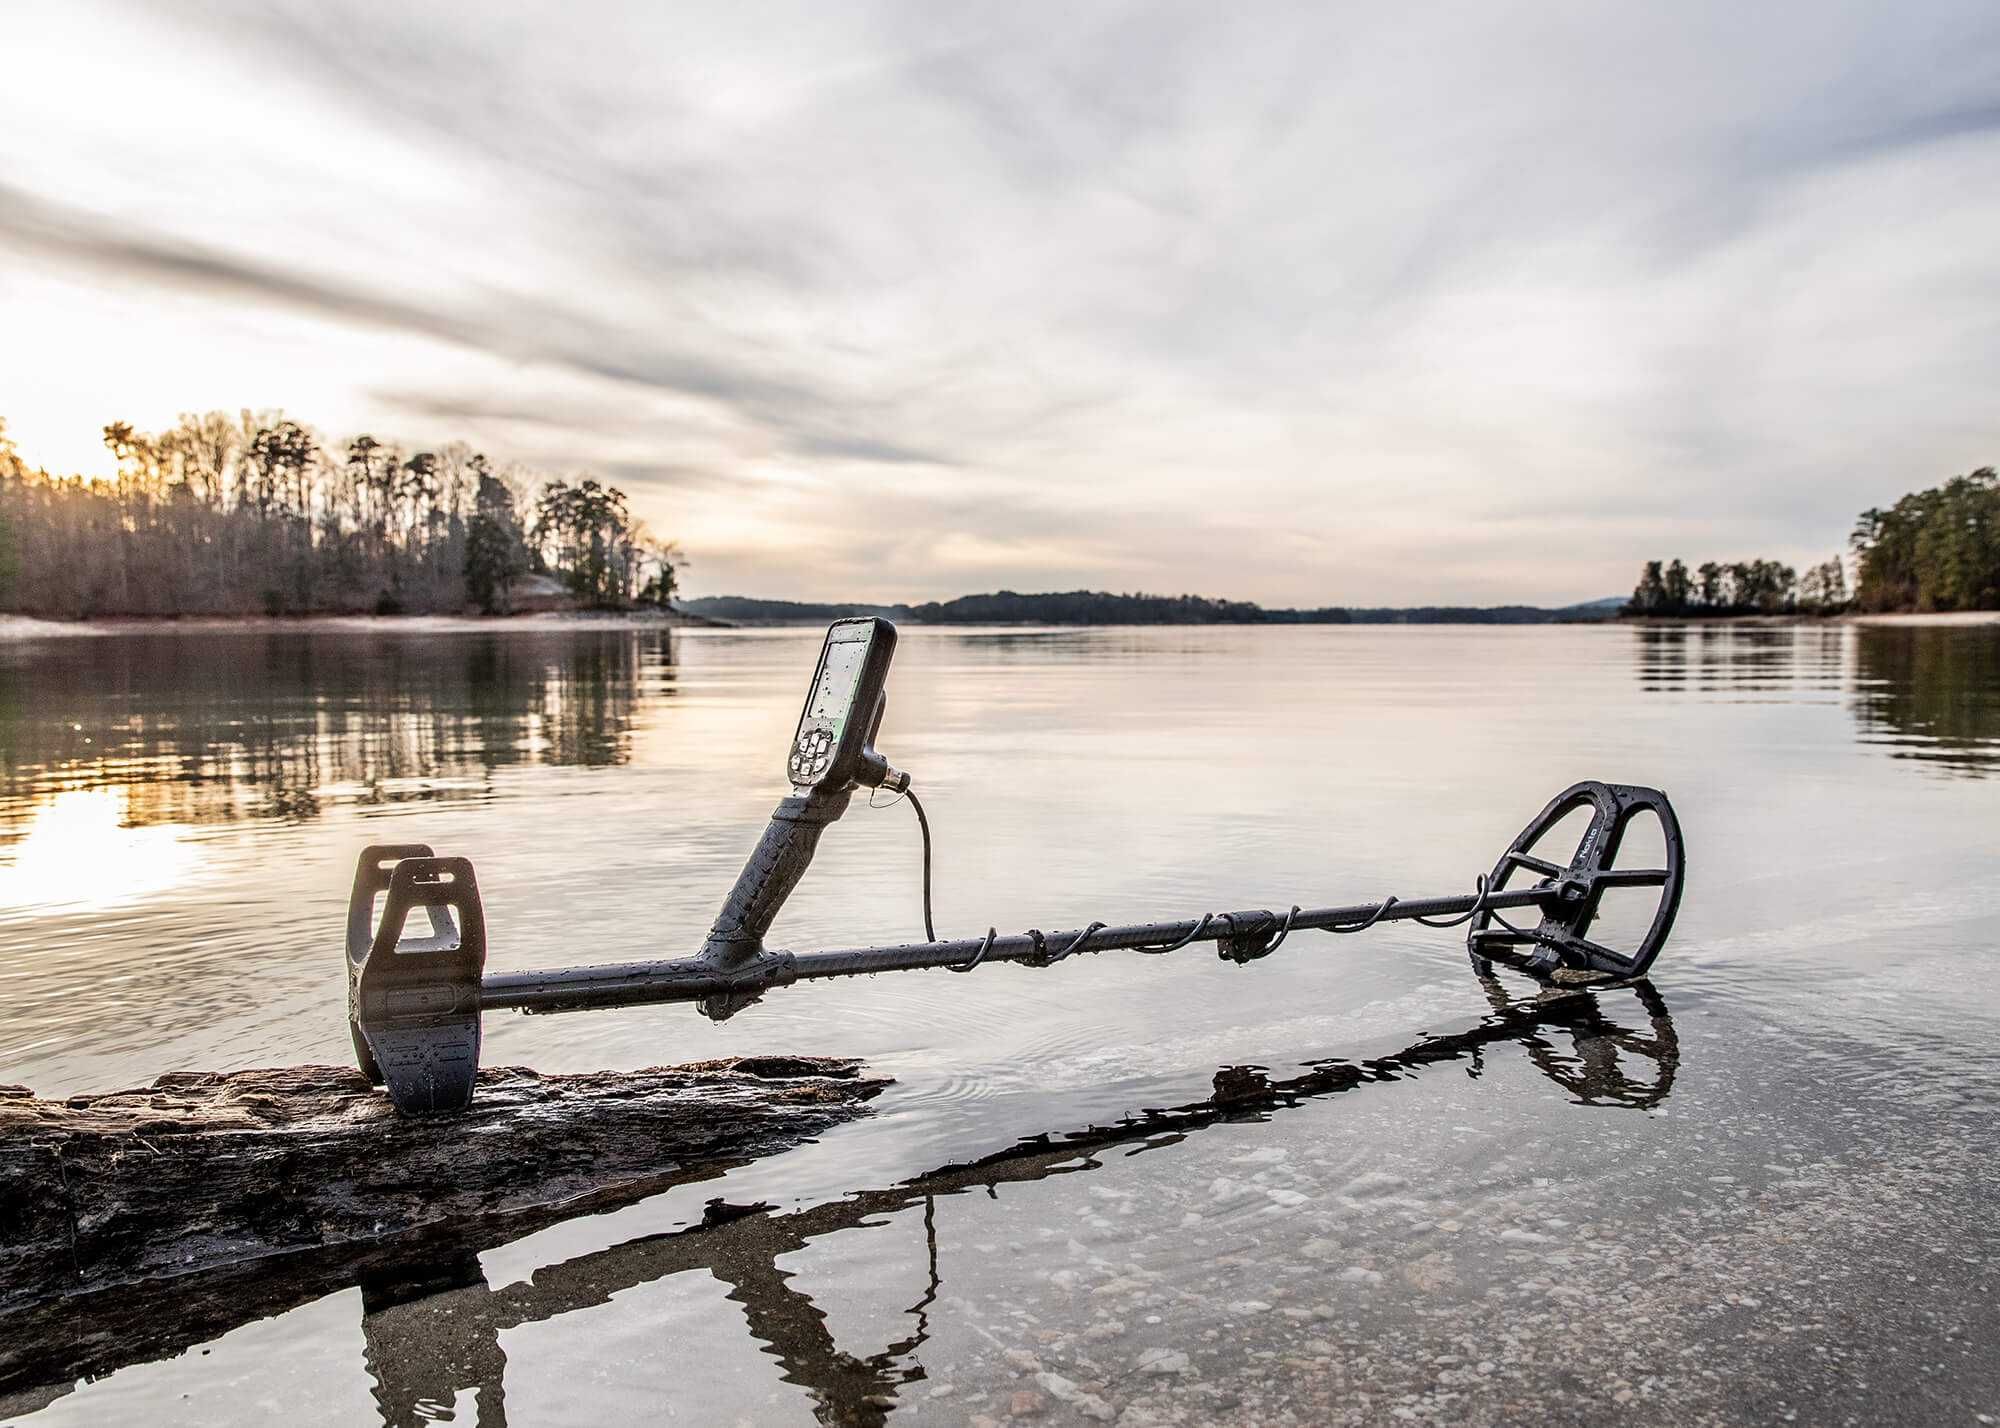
(414,1006)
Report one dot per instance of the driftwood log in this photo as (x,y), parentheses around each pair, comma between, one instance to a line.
(307,1175)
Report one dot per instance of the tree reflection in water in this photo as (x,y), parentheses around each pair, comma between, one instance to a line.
(433,1331)
(1931,695)
(1927,693)
(217,728)
(1743,659)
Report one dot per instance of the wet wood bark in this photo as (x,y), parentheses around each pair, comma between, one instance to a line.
(206,1171)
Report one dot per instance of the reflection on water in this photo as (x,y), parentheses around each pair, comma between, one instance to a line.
(433,1330)
(1467,1203)
(204,729)
(1741,660)
(1932,695)
(1926,693)
(80,851)
(199,730)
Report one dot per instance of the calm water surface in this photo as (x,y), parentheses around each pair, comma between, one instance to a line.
(1760,1185)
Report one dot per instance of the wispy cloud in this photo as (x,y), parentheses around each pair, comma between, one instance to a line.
(1308,305)
(125,251)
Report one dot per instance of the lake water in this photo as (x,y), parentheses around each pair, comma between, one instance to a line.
(1762,1185)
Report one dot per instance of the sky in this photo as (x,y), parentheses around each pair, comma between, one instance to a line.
(1314,304)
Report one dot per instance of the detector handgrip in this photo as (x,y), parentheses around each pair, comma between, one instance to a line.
(781,858)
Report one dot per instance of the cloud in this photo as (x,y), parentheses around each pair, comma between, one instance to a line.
(1362,306)
(504,324)
(77,237)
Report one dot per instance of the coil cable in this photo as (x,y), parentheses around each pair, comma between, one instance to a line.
(1043,956)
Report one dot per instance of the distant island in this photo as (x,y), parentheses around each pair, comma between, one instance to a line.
(1934,551)
(1098,607)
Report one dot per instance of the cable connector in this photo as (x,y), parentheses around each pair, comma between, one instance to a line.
(877,772)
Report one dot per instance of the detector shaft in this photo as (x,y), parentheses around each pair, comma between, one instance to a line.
(692,978)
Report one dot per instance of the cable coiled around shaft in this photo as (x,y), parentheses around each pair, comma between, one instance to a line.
(1044,955)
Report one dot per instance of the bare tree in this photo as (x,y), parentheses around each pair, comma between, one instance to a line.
(261,515)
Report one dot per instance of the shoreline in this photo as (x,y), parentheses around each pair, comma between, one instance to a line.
(1908,619)
(27,627)
(1932,618)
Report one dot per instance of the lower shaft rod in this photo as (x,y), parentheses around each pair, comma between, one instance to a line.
(693,978)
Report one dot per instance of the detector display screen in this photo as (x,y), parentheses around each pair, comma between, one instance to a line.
(845,693)
(833,696)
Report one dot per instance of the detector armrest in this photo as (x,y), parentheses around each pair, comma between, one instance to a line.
(413,1006)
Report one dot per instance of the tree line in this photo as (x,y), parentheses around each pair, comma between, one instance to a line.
(1933,550)
(1748,587)
(258,514)
(1101,607)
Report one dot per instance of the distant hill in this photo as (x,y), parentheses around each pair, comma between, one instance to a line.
(747,610)
(1097,607)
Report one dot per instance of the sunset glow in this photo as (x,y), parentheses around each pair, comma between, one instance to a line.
(1343,291)
(79,855)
